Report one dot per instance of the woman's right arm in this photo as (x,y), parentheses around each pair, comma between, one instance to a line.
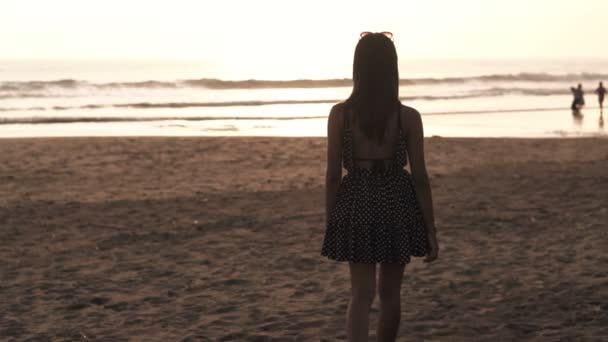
(422,186)
(333,173)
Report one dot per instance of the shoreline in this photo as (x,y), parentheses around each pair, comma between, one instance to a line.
(497,124)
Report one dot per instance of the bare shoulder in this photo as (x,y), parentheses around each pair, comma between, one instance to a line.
(338,107)
(411,119)
(409,113)
(336,114)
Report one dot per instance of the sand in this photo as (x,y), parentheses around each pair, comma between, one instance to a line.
(218,239)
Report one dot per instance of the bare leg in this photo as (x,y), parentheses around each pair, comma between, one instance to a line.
(389,290)
(363,291)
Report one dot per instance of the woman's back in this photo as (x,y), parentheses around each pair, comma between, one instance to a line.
(365,148)
(362,152)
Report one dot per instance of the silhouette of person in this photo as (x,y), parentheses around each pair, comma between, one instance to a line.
(579,98)
(600,91)
(378,213)
(574,99)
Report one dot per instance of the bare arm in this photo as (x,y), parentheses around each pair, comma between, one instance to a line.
(422,186)
(333,173)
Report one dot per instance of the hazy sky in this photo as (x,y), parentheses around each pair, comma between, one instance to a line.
(304,30)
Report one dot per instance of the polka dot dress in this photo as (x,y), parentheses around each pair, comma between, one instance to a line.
(377,218)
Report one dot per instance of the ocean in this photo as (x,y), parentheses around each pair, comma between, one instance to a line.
(457,98)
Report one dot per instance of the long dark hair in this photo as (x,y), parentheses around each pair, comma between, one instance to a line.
(375,94)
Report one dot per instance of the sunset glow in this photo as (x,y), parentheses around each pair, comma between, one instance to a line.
(285,33)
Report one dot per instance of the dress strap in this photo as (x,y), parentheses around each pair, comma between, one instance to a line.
(401,151)
(347,139)
(399,116)
(346,118)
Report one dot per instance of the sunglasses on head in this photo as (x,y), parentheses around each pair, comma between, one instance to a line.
(387,34)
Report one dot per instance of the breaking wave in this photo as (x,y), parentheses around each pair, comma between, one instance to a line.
(210,83)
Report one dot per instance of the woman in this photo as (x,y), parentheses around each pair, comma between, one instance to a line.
(377,213)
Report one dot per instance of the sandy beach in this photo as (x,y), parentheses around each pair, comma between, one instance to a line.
(218,239)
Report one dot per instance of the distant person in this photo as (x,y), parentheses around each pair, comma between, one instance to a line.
(574,99)
(579,97)
(600,91)
(378,213)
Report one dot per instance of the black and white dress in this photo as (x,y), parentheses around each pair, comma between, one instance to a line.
(377,218)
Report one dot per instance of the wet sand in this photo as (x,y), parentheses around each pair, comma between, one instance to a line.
(218,239)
